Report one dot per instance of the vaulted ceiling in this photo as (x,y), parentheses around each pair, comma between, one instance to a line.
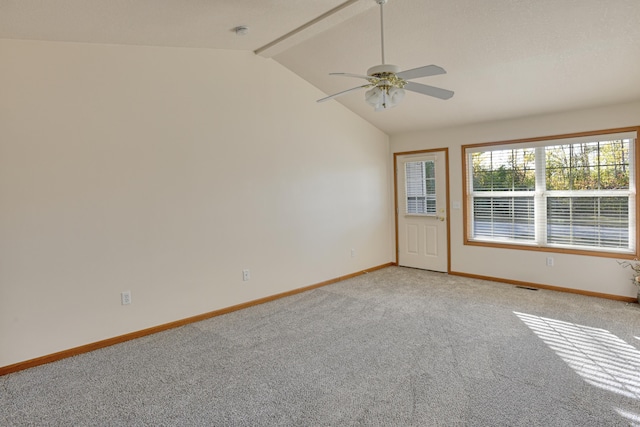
(504,58)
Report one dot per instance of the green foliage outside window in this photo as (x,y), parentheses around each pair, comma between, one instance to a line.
(588,166)
(585,166)
(504,170)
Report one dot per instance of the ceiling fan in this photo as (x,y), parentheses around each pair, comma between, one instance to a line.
(387,84)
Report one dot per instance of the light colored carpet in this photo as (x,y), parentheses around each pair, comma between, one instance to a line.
(396,347)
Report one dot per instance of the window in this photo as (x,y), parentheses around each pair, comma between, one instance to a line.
(420,178)
(576,192)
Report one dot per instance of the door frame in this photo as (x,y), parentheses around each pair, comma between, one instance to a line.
(445,150)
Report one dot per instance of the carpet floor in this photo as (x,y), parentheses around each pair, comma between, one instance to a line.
(396,347)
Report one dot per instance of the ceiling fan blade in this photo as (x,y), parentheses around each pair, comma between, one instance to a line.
(359,76)
(427,70)
(344,92)
(429,90)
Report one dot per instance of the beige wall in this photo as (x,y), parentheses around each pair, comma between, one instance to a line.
(581,272)
(166,172)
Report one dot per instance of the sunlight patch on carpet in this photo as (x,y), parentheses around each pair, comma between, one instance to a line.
(633,419)
(601,358)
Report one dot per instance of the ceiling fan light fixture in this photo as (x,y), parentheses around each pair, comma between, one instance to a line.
(374,97)
(396,95)
(383,98)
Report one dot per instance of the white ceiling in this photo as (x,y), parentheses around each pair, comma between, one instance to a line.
(504,58)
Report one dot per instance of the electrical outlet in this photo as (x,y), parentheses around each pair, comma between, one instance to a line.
(549,261)
(125,297)
(246,275)
(353,253)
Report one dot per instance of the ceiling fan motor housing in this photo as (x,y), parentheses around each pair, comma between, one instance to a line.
(384,76)
(384,68)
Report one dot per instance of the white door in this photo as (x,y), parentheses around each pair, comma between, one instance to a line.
(422,210)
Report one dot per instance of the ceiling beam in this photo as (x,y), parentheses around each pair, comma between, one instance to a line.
(335,16)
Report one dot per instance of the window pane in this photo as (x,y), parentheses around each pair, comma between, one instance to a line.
(430,169)
(413,204)
(524,180)
(482,180)
(503,218)
(557,178)
(584,178)
(504,170)
(614,177)
(502,179)
(430,207)
(588,221)
(420,187)
(588,166)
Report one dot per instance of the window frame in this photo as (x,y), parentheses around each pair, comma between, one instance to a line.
(543,141)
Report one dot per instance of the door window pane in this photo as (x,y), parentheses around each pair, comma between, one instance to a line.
(420,184)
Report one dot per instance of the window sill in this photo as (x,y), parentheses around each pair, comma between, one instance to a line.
(596,252)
